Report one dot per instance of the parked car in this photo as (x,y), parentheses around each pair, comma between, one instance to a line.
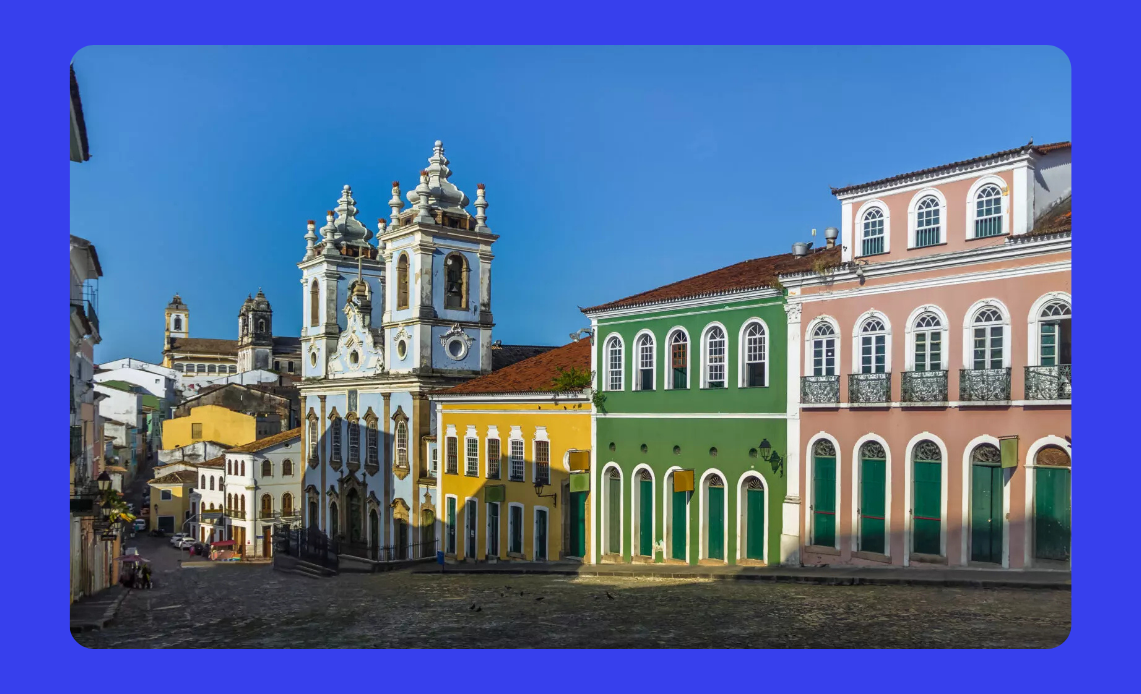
(185,543)
(176,538)
(141,525)
(199,549)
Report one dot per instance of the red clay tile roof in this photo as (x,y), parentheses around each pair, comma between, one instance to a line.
(203,345)
(758,273)
(180,477)
(1040,149)
(534,375)
(213,462)
(506,355)
(1055,220)
(262,444)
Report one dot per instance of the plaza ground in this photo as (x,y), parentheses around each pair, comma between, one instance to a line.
(252,606)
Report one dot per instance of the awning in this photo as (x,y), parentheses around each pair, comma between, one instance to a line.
(222,543)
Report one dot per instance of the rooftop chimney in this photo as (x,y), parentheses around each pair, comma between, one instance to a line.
(799,249)
(830,235)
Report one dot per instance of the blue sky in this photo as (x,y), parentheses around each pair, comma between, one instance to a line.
(609,171)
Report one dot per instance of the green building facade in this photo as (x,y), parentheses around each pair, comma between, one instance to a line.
(690,428)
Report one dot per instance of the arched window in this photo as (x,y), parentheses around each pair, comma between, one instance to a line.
(824,350)
(754,352)
(1054,334)
(203,481)
(679,360)
(242,503)
(988,211)
(243,468)
(715,357)
(455,282)
(645,373)
(354,441)
(313,441)
(229,501)
(261,326)
(402,282)
(872,241)
(201,368)
(211,482)
(873,347)
(373,452)
(178,324)
(266,468)
(928,343)
(987,339)
(286,468)
(927,222)
(178,368)
(229,467)
(335,431)
(614,364)
(873,498)
(401,445)
(287,504)
(211,368)
(266,505)
(927,495)
(314,304)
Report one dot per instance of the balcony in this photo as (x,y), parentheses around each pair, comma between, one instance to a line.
(92,317)
(923,387)
(984,385)
(238,515)
(1049,382)
(869,389)
(820,390)
(76,442)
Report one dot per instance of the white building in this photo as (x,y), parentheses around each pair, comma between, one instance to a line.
(159,381)
(208,501)
(262,487)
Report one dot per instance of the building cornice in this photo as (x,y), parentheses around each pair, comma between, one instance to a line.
(701,301)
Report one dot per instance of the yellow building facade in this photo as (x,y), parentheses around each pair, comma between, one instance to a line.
(513,475)
(170,500)
(209,423)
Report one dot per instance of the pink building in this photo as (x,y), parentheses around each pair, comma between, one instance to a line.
(934,363)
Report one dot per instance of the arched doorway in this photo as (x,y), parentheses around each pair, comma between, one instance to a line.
(678,509)
(986,504)
(927,498)
(334,520)
(715,517)
(752,504)
(824,493)
(613,512)
(1052,505)
(873,498)
(314,518)
(643,513)
(373,531)
(354,519)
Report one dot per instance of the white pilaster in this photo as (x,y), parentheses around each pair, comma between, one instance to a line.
(847,235)
(790,531)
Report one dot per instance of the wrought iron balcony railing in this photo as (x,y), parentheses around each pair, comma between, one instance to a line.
(923,386)
(820,390)
(984,385)
(873,388)
(231,513)
(1049,382)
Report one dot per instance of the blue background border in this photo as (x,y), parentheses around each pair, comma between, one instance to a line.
(42,39)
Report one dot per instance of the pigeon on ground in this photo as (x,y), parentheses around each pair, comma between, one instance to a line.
(479,609)
(472,606)
(609,595)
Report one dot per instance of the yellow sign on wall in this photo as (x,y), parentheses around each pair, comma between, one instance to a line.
(579,461)
(683,480)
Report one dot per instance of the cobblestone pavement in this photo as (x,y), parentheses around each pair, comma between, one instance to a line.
(252,606)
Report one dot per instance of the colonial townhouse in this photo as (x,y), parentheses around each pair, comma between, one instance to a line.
(262,488)
(208,501)
(170,496)
(934,369)
(689,452)
(516,452)
(383,326)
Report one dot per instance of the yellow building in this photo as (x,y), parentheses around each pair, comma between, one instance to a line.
(209,423)
(170,500)
(515,451)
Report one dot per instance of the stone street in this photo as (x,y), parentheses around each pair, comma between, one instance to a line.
(252,606)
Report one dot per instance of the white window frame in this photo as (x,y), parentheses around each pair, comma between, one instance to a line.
(535,533)
(667,360)
(968,331)
(913,217)
(523,531)
(493,435)
(857,335)
(909,337)
(705,364)
(451,436)
(742,352)
(972,206)
(636,362)
(471,440)
(397,449)
(613,338)
(516,436)
(809,343)
(858,246)
(1034,320)
(540,436)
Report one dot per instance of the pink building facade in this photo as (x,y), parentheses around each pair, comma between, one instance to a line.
(934,363)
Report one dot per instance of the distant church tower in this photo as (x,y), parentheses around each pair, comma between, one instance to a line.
(177,322)
(255,334)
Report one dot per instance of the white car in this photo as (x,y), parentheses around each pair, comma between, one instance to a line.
(176,538)
(185,543)
(132,551)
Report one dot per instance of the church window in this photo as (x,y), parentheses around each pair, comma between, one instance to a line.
(335,430)
(354,442)
(243,473)
(178,323)
(261,326)
(373,454)
(455,282)
(402,445)
(314,303)
(402,282)
(313,440)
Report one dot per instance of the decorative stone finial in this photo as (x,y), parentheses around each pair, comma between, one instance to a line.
(442,194)
(396,204)
(310,239)
(481,208)
(328,235)
(423,211)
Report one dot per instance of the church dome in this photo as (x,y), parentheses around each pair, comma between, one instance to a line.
(176,302)
(442,194)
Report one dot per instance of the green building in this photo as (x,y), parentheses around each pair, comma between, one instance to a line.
(690,454)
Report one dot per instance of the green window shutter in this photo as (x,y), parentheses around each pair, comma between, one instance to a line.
(646,518)
(679,522)
(927,507)
(755,524)
(873,524)
(716,522)
(824,501)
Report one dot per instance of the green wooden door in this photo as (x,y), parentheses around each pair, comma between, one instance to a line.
(540,535)
(646,518)
(717,522)
(873,506)
(493,529)
(450,545)
(926,513)
(679,521)
(613,515)
(986,513)
(578,524)
(1052,513)
(755,524)
(824,501)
